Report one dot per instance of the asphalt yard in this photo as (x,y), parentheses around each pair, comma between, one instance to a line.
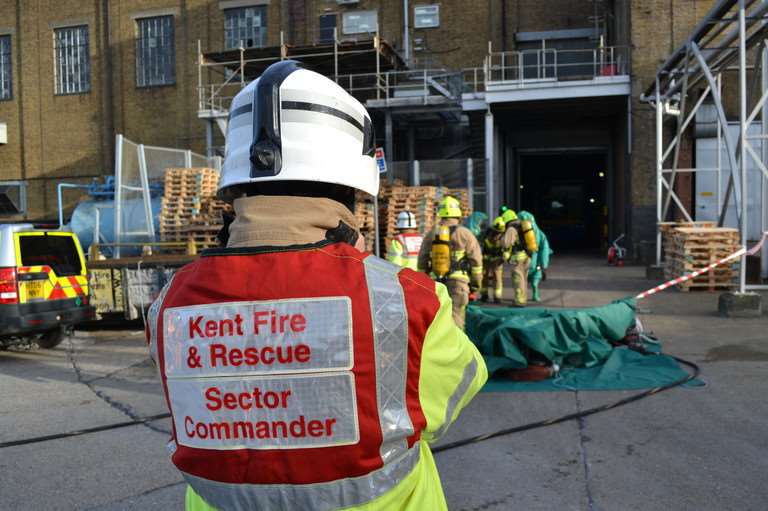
(688,448)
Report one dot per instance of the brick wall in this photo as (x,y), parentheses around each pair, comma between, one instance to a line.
(658,27)
(66,137)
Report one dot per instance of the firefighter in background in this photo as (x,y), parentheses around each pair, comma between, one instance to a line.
(452,255)
(539,259)
(345,326)
(519,236)
(404,248)
(495,254)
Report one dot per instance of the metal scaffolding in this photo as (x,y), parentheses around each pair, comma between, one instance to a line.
(222,74)
(733,33)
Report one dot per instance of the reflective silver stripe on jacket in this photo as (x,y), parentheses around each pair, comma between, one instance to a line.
(470,371)
(343,493)
(152,316)
(390,340)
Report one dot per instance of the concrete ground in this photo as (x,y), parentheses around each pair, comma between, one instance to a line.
(700,448)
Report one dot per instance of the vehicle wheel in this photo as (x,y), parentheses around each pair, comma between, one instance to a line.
(51,338)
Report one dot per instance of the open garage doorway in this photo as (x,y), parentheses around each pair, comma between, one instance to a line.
(567,193)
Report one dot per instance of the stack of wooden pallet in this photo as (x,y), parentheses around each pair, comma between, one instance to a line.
(419,200)
(667,230)
(189,209)
(395,198)
(365,219)
(692,248)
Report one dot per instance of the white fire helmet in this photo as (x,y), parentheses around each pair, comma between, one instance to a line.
(406,220)
(292,124)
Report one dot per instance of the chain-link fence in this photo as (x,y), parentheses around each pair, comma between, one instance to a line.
(139,175)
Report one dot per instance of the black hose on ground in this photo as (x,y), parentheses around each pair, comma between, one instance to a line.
(79,432)
(696,370)
(445,447)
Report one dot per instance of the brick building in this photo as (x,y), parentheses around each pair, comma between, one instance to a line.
(547,93)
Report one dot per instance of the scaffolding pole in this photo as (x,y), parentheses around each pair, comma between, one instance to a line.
(721,42)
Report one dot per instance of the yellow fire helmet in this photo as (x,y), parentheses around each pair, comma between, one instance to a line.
(449,207)
(509,216)
(499,224)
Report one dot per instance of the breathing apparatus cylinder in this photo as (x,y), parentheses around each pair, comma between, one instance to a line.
(441,252)
(529,236)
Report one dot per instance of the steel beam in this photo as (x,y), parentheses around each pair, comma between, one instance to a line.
(659,162)
(744,142)
(490,167)
(678,136)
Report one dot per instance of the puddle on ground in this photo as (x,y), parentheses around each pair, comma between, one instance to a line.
(737,352)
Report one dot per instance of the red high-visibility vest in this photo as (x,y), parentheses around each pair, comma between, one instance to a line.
(411,242)
(292,375)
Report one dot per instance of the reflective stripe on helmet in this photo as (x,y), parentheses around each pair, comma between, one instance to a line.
(323,109)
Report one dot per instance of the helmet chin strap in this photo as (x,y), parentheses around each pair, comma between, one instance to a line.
(344,233)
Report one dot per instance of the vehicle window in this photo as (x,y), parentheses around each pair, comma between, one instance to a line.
(58,252)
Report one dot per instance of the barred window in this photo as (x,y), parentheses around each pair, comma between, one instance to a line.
(247,25)
(155,52)
(72,70)
(6,78)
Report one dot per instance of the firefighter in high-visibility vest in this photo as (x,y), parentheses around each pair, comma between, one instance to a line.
(539,259)
(301,372)
(452,255)
(404,248)
(495,254)
(520,237)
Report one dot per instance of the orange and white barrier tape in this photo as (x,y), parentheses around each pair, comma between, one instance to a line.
(694,274)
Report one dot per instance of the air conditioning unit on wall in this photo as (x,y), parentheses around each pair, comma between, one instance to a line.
(347,2)
(3,133)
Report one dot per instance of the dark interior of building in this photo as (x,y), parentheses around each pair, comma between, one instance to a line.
(566,192)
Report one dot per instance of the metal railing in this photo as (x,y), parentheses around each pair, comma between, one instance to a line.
(550,64)
(387,85)
(216,98)
(473,79)
(419,83)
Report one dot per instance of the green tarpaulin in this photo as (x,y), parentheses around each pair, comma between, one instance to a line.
(578,340)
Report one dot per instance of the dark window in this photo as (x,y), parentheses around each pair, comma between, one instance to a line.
(327,26)
(6,83)
(155,54)
(58,252)
(246,25)
(72,69)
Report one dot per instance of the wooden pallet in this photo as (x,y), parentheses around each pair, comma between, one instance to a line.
(693,247)
(688,287)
